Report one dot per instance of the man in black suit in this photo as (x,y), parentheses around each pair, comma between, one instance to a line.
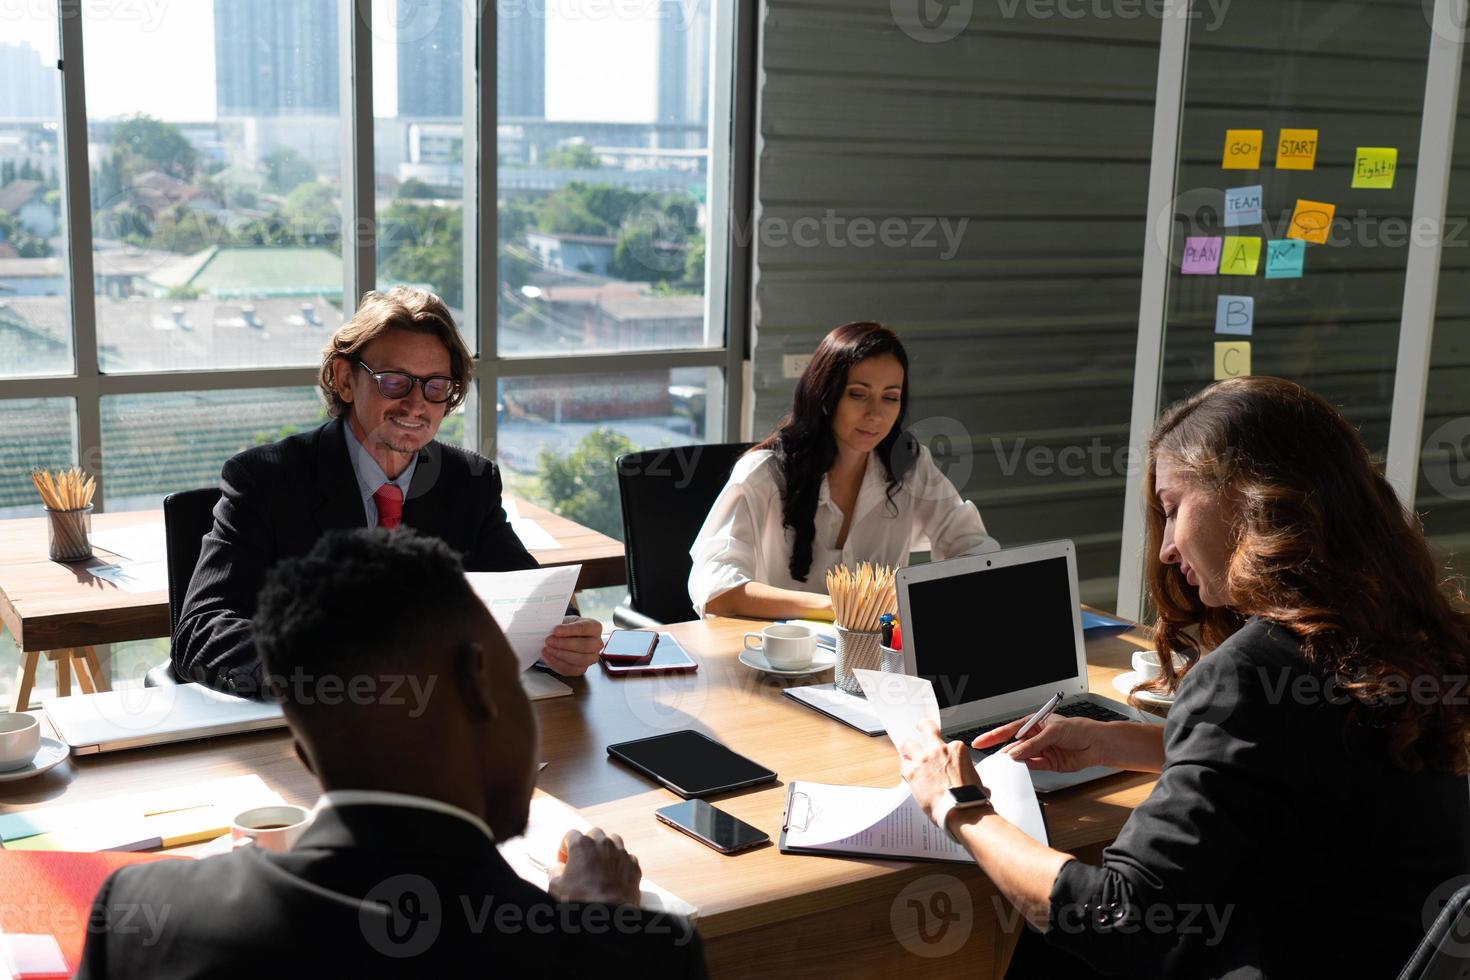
(390,375)
(398,873)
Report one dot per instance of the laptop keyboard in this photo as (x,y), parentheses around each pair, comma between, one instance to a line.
(1073,709)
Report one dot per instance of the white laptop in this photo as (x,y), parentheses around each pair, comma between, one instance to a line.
(998,635)
(141,716)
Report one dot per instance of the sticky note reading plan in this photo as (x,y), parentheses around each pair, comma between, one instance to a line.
(1311,221)
(1232,359)
(1242,149)
(1242,206)
(1375,166)
(1201,257)
(1284,258)
(1240,256)
(1235,314)
(1296,149)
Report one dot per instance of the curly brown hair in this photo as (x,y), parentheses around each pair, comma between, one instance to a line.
(1322,545)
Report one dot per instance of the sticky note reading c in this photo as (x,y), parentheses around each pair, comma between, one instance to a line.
(1235,315)
(1375,166)
(1296,149)
(1232,359)
(1242,149)
(1240,256)
(1311,221)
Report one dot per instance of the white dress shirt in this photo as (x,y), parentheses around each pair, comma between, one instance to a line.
(743,540)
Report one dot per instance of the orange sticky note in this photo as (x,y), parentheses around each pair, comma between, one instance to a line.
(1232,359)
(1242,149)
(1296,149)
(1240,256)
(1311,221)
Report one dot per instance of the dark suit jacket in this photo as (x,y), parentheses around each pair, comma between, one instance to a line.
(277,500)
(369,891)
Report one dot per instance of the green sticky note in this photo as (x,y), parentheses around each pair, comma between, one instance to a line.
(1240,256)
(1375,166)
(1285,258)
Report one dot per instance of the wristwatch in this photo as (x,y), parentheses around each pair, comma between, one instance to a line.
(958,798)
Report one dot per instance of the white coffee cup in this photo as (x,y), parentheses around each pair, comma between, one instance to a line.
(1147,665)
(786,646)
(20,739)
(274,828)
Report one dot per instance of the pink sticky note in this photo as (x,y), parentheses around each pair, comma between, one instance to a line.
(1201,257)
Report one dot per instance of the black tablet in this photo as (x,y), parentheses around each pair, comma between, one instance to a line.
(691,764)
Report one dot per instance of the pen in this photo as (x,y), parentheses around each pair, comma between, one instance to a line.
(1037,718)
(885,624)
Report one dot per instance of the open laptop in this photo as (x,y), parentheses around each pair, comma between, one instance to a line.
(998,635)
(137,717)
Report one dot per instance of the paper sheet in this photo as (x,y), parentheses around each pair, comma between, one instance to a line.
(863,820)
(24,955)
(148,576)
(527,604)
(140,543)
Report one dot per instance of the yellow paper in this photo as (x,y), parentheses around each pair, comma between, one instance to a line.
(1311,221)
(1232,359)
(1242,149)
(1375,166)
(1296,149)
(1240,256)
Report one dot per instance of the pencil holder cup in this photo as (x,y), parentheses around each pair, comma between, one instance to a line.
(891,659)
(70,533)
(856,650)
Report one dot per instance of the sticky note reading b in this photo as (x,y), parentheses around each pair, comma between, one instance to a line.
(1242,149)
(1240,256)
(1285,258)
(1232,359)
(1235,315)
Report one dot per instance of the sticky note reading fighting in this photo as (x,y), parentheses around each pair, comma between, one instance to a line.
(1242,149)
(1296,149)
(1242,206)
(1285,258)
(1232,359)
(1375,166)
(1311,221)
(1235,314)
(1201,257)
(1240,256)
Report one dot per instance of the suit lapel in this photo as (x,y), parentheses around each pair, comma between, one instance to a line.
(339,498)
(424,509)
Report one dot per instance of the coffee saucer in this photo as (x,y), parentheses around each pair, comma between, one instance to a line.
(51,754)
(1125,682)
(823,660)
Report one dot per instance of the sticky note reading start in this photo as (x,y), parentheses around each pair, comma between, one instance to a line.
(1296,149)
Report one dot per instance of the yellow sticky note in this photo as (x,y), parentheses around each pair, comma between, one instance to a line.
(1311,221)
(1296,149)
(1242,149)
(1240,256)
(1375,166)
(1232,359)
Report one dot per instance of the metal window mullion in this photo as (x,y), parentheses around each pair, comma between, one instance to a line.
(656,360)
(355,71)
(1154,291)
(744,95)
(1421,277)
(482,283)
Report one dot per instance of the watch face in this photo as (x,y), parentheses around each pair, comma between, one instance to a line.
(968,795)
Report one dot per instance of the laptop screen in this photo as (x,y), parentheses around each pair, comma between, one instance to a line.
(994,631)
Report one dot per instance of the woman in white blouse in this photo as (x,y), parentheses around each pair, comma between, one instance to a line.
(838,482)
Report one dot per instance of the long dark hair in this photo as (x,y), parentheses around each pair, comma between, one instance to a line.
(1323,546)
(803,439)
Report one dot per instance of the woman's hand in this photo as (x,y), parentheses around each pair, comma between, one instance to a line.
(931,766)
(1056,744)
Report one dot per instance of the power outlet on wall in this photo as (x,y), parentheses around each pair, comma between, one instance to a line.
(793,364)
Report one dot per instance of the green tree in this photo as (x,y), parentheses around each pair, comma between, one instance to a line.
(107,184)
(26,245)
(573,156)
(424,243)
(315,214)
(584,486)
(7,172)
(182,229)
(146,144)
(286,169)
(413,187)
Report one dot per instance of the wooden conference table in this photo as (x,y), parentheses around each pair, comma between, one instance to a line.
(760,912)
(64,611)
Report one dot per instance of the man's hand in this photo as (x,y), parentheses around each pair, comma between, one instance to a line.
(573,646)
(595,867)
(931,767)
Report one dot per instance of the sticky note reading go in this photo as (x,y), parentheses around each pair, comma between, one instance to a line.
(1242,149)
(1232,359)
(1240,256)
(1311,221)
(1375,166)
(1296,149)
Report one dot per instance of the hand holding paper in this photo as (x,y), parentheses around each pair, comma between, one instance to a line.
(528,604)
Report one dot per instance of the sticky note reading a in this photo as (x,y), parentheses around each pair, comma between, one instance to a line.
(1232,359)
(1311,221)
(1242,206)
(1284,258)
(1235,315)
(1240,256)
(1242,149)
(1296,149)
(1201,257)
(1375,166)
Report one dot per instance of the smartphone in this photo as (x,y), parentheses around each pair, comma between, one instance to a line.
(668,658)
(629,646)
(712,826)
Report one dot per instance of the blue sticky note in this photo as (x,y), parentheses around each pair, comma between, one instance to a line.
(1242,206)
(1284,258)
(1235,314)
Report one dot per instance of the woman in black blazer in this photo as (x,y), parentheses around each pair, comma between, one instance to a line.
(1312,808)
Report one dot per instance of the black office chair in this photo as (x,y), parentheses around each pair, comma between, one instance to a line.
(187,518)
(666,495)
(1444,954)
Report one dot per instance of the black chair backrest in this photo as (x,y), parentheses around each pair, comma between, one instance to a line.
(1444,952)
(187,518)
(666,495)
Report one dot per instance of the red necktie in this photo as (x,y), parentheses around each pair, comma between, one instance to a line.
(390,505)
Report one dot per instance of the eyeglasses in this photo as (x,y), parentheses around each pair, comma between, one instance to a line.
(396,384)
